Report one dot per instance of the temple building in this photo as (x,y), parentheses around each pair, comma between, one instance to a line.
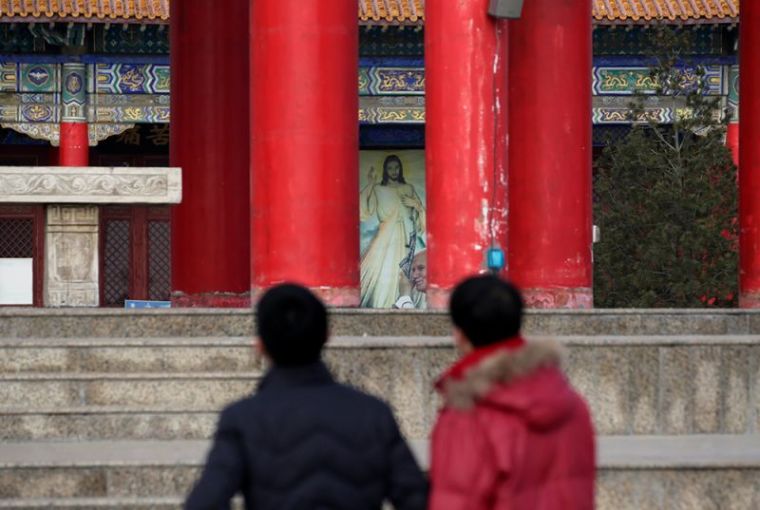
(197,152)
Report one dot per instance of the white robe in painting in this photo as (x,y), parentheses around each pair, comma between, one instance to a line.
(380,262)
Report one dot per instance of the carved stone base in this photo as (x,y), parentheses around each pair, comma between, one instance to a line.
(71,256)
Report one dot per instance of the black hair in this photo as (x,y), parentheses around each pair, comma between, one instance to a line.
(292,324)
(386,177)
(487,309)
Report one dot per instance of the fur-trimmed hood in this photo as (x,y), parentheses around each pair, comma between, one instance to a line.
(526,380)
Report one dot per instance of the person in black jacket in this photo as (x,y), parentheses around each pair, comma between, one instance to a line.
(303,441)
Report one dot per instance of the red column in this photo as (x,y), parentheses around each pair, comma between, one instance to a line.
(749,156)
(74,149)
(465,53)
(209,141)
(304,149)
(550,153)
(732,141)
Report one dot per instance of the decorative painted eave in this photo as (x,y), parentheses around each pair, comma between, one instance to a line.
(370,12)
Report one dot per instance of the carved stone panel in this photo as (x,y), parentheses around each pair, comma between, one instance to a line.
(71,259)
(90,185)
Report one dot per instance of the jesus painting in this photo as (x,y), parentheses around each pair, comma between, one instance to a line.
(401,216)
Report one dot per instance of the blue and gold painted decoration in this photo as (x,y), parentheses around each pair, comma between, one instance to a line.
(392,110)
(38,77)
(617,110)
(130,100)
(622,81)
(391,90)
(391,81)
(74,92)
(132,114)
(611,80)
(36,113)
(733,92)
(8,113)
(29,108)
(622,115)
(364,81)
(132,79)
(8,77)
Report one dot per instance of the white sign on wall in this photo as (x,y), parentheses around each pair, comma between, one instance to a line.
(16,282)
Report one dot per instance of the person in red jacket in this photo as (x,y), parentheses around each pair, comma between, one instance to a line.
(513,434)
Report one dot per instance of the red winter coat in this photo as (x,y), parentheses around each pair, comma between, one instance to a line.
(513,434)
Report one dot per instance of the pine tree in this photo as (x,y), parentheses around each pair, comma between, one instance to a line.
(666,197)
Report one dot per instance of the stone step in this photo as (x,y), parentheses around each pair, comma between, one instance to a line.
(713,471)
(634,384)
(157,503)
(103,422)
(190,390)
(168,354)
(166,503)
(637,384)
(78,323)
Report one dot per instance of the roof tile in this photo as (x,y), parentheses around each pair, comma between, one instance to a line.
(154,10)
(710,11)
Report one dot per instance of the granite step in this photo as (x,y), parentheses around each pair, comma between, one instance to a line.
(156,503)
(635,384)
(653,472)
(73,323)
(87,423)
(191,390)
(167,503)
(167,354)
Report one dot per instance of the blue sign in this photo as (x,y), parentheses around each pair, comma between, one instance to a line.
(495,259)
(138,303)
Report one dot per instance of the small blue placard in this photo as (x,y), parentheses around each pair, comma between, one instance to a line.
(133,304)
(495,259)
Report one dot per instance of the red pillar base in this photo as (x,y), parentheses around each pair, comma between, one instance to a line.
(211,300)
(340,297)
(438,298)
(749,300)
(559,297)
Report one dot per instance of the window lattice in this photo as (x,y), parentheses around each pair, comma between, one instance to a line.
(159,260)
(116,261)
(16,238)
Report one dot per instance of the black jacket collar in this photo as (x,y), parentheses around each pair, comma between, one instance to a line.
(315,374)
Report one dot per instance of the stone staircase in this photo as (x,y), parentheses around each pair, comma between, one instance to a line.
(113,408)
